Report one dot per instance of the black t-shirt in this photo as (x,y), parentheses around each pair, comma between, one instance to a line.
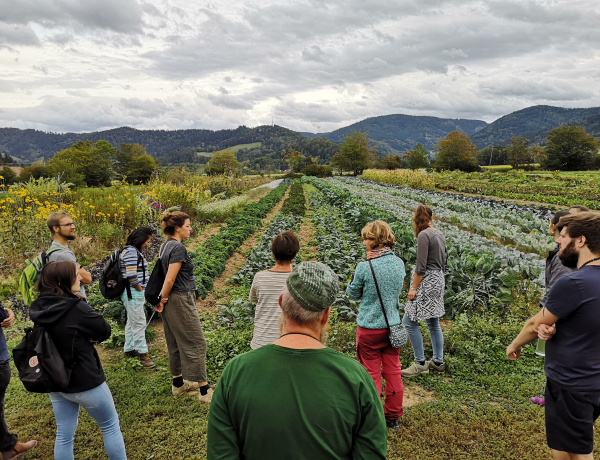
(573,354)
(174,252)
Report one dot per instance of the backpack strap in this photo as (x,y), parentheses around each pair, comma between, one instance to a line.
(46,255)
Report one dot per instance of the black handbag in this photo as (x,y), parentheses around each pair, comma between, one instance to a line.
(40,366)
(397,334)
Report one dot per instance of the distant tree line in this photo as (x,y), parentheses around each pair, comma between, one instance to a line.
(93,165)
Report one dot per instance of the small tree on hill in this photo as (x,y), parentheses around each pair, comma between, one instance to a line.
(570,148)
(134,163)
(518,152)
(456,152)
(391,162)
(417,158)
(223,162)
(356,152)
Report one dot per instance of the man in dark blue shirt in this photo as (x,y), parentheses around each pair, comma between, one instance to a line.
(571,322)
(9,446)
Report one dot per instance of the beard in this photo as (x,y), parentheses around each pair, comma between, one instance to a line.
(569,256)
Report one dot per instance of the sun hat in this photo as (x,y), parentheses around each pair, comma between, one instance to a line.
(313,285)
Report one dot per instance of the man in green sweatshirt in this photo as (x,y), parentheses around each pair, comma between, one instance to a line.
(296,398)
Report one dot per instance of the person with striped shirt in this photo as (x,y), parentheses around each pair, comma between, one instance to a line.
(134,267)
(268,285)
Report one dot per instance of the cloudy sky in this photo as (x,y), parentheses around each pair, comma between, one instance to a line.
(87,65)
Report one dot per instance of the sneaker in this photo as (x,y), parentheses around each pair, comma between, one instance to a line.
(539,401)
(187,386)
(19,449)
(392,425)
(205,398)
(131,354)
(434,367)
(146,361)
(415,369)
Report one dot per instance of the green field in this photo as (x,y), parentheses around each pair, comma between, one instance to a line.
(235,148)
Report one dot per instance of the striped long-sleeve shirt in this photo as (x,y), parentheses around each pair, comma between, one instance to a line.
(131,269)
(266,287)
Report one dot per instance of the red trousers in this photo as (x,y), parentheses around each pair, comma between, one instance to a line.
(374,352)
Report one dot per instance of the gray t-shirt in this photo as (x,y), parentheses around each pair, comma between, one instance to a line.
(173,252)
(431,251)
(65,254)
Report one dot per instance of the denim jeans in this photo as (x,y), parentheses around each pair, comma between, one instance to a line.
(98,402)
(7,439)
(135,329)
(416,339)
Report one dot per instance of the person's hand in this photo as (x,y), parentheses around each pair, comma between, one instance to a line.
(159,308)
(545,331)
(138,287)
(513,352)
(412,294)
(8,322)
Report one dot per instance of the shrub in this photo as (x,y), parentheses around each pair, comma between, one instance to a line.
(318,171)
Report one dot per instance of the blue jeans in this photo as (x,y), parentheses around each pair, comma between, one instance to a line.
(98,402)
(416,339)
(135,329)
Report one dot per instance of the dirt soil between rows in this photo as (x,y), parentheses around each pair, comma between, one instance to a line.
(235,262)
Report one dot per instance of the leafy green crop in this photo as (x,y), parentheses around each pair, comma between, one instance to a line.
(296,202)
(210,258)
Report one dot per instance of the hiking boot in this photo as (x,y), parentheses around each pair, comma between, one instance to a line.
(131,354)
(205,398)
(146,361)
(434,367)
(415,369)
(19,449)
(187,386)
(392,425)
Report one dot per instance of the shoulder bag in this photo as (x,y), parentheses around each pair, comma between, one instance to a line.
(397,334)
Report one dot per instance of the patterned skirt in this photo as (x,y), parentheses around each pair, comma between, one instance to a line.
(429,301)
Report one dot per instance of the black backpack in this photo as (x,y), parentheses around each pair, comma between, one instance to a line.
(156,280)
(40,366)
(112,283)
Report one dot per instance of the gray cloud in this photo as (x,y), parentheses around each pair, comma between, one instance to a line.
(124,16)
(314,65)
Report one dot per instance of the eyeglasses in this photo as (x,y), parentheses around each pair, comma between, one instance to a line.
(71,224)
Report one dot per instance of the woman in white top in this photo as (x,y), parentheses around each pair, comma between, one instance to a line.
(268,285)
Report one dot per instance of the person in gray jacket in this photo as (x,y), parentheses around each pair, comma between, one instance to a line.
(554,270)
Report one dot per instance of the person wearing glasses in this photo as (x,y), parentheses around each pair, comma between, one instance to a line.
(62,228)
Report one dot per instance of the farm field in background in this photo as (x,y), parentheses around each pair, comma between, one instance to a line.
(560,189)
(478,409)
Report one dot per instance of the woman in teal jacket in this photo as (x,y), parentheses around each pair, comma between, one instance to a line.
(373,348)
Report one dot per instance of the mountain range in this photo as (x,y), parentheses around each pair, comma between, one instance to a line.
(391,133)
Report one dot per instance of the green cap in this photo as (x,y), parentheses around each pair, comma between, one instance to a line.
(313,285)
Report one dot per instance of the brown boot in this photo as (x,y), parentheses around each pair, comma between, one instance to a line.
(131,354)
(146,361)
(19,449)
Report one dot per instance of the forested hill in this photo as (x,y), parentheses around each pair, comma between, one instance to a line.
(534,124)
(179,146)
(399,133)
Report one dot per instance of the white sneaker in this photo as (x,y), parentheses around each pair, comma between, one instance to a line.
(415,369)
(187,386)
(205,398)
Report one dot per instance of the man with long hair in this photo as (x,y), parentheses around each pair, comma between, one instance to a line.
(572,363)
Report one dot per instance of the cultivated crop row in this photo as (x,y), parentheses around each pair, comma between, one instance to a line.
(481,273)
(339,247)
(210,258)
(521,229)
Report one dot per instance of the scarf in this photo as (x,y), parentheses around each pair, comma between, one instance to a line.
(375,253)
